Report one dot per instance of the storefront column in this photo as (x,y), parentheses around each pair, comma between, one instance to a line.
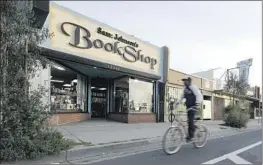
(156,106)
(89,95)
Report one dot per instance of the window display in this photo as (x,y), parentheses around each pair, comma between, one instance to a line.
(63,90)
(140,96)
(63,98)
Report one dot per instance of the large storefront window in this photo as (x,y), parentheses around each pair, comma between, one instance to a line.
(140,96)
(68,90)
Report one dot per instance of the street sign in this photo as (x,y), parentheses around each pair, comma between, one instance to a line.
(257,92)
(245,63)
(244,69)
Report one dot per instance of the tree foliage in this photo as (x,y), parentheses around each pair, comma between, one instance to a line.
(236,86)
(236,115)
(24,129)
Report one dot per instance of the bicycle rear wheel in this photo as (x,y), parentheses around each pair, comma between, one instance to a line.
(201,134)
(176,141)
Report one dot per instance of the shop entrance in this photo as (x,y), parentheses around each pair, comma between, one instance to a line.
(108,94)
(99,97)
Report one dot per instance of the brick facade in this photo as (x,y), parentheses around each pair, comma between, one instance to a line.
(66,118)
(141,118)
(59,119)
(133,117)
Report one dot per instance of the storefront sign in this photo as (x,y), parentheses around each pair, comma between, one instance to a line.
(128,53)
(116,37)
(77,35)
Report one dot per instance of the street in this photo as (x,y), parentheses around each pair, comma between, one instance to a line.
(244,148)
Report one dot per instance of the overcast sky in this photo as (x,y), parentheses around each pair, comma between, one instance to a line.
(200,35)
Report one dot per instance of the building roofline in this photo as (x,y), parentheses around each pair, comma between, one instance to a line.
(209,70)
(239,96)
(190,74)
(104,24)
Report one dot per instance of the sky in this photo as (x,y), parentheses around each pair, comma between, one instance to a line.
(201,35)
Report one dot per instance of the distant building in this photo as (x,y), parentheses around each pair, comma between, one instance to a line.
(221,98)
(174,88)
(217,75)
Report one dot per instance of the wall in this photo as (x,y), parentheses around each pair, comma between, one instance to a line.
(174,77)
(222,101)
(207,84)
(133,117)
(174,80)
(218,106)
(59,119)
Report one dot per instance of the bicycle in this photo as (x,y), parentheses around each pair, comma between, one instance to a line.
(182,130)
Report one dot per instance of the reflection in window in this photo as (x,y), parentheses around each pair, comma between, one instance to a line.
(121,95)
(64,84)
(140,96)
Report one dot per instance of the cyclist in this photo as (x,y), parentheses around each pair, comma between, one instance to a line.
(193,98)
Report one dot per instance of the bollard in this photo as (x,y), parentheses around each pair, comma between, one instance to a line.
(171,116)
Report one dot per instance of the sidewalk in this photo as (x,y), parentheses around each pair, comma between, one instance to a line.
(107,132)
(112,139)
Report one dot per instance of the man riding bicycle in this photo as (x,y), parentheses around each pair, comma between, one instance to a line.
(194,98)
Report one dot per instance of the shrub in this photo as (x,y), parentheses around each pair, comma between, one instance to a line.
(26,133)
(229,108)
(235,116)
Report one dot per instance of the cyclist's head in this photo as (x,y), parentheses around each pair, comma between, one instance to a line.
(187,81)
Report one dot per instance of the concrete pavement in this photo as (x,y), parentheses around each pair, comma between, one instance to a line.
(241,148)
(114,139)
(148,137)
(108,132)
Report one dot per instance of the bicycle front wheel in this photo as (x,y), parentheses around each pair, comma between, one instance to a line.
(201,134)
(172,140)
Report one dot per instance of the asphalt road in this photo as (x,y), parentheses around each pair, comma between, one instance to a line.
(237,149)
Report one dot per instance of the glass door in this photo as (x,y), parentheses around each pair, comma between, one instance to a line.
(99,98)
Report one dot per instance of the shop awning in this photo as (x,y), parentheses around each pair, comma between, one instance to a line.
(55,55)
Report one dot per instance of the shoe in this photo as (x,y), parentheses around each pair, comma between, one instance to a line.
(188,139)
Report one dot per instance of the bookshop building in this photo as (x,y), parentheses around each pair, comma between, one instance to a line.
(97,71)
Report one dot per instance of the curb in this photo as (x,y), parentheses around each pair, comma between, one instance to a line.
(93,151)
(99,149)
(89,159)
(81,152)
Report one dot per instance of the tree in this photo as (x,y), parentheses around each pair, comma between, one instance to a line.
(236,86)
(24,126)
(236,115)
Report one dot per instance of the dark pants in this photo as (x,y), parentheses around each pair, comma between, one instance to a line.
(191,124)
